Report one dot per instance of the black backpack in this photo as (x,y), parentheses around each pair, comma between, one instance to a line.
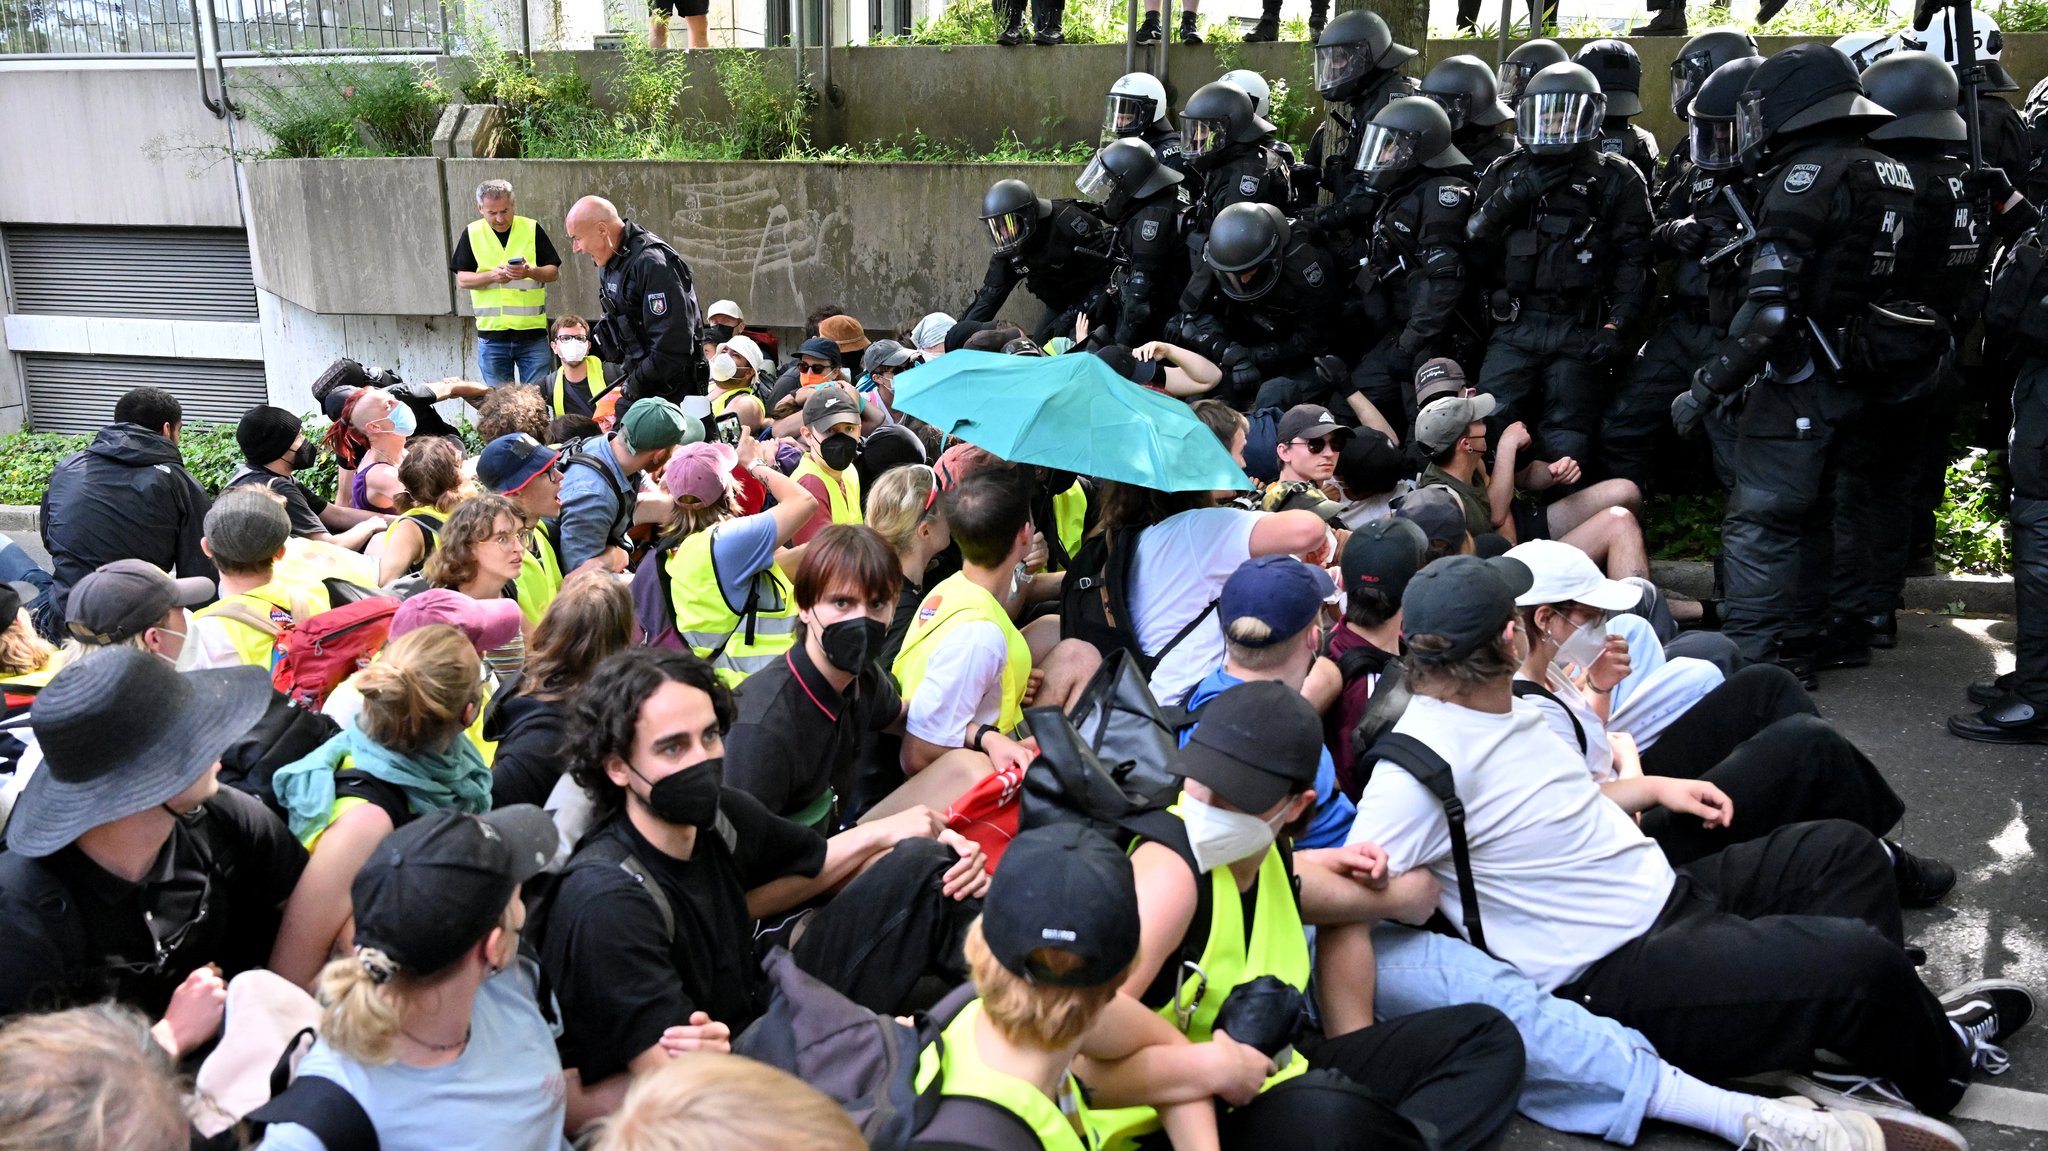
(1527,688)
(1095,600)
(1429,769)
(2016,311)
(314,1102)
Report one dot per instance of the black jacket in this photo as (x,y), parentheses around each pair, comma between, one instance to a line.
(1064,261)
(128,496)
(650,321)
(529,761)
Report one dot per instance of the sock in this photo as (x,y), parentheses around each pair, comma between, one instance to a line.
(1681,1099)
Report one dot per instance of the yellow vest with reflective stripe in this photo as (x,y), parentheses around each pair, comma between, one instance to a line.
(253,645)
(842,493)
(1070,513)
(721,400)
(595,381)
(955,601)
(961,1072)
(540,576)
(517,305)
(715,629)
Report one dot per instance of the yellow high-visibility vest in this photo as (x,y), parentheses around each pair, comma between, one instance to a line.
(519,305)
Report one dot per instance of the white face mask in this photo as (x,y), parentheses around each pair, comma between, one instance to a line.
(1218,837)
(573,351)
(188,652)
(1581,648)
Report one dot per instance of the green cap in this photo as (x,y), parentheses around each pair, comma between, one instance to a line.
(651,424)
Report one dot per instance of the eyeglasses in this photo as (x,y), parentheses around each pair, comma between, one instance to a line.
(1319,446)
(519,539)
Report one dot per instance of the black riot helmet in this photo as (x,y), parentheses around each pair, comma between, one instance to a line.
(1219,114)
(1355,48)
(1699,59)
(1012,212)
(1712,115)
(1920,90)
(1560,111)
(1805,86)
(1619,72)
(1522,65)
(1121,173)
(1468,91)
(1247,246)
(1409,133)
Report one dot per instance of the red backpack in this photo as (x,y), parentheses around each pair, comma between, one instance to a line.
(312,656)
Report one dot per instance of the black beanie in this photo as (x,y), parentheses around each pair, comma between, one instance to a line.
(266,433)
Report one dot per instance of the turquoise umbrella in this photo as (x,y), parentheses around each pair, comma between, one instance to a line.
(1072,413)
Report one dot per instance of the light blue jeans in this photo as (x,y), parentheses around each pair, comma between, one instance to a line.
(528,353)
(1587,1074)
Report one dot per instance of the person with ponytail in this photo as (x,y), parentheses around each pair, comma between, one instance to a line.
(432,475)
(401,758)
(904,506)
(431,1023)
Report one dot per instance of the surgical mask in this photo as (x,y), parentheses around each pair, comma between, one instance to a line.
(306,456)
(1582,647)
(403,421)
(850,643)
(188,652)
(573,351)
(838,450)
(688,798)
(1218,837)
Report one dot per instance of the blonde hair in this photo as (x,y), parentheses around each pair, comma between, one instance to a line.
(89,1079)
(21,649)
(899,501)
(707,1101)
(590,618)
(415,691)
(1032,1014)
(364,999)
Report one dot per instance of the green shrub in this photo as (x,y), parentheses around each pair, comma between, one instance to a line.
(767,121)
(1681,527)
(345,108)
(210,452)
(1970,528)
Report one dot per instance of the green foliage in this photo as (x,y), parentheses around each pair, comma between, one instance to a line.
(767,121)
(26,461)
(210,451)
(1683,527)
(345,108)
(1799,18)
(1970,528)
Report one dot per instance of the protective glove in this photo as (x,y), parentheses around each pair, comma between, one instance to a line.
(1991,183)
(1331,370)
(1239,369)
(1686,237)
(1689,410)
(1530,183)
(1604,344)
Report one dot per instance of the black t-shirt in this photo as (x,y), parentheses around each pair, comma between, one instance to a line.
(464,260)
(795,736)
(300,503)
(620,985)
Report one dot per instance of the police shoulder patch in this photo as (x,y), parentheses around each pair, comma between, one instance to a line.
(1248,186)
(1080,225)
(1148,231)
(1313,274)
(1448,196)
(657,303)
(1612,145)
(1801,177)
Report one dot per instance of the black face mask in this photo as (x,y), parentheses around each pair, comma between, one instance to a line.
(307,455)
(718,333)
(850,643)
(838,450)
(689,798)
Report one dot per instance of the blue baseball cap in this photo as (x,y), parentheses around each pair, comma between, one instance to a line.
(1281,592)
(510,462)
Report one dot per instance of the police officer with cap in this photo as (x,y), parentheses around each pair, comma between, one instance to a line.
(1136,107)
(1230,147)
(1274,311)
(1358,70)
(1619,72)
(1059,249)
(1147,203)
(650,322)
(1469,93)
(1566,228)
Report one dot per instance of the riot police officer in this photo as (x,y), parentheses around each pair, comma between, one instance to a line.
(1522,64)
(1231,146)
(1357,72)
(1059,249)
(1565,229)
(2004,131)
(1274,312)
(1469,94)
(1413,278)
(1697,59)
(1147,203)
(1619,72)
(1255,86)
(1832,217)
(1136,107)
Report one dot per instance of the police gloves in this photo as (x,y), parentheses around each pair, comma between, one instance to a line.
(1604,343)
(1689,409)
(1989,182)
(1686,237)
(1240,370)
(1532,182)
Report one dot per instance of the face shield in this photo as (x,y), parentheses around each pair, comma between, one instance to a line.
(1384,153)
(1252,282)
(1550,123)
(1456,105)
(1201,137)
(1341,64)
(1514,76)
(1126,114)
(1749,124)
(1009,230)
(1095,183)
(1687,74)
(1715,146)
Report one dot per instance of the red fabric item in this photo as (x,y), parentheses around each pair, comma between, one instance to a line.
(988,813)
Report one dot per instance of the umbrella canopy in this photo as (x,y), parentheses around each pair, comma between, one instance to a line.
(1072,413)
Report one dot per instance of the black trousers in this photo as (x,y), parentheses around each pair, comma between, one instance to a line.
(1386,376)
(1774,949)
(1536,370)
(1451,1077)
(2028,461)
(1637,440)
(889,928)
(1888,464)
(1469,13)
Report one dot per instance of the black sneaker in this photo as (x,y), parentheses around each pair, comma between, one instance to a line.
(1265,31)
(1768,9)
(1188,35)
(1315,30)
(1992,691)
(1922,882)
(1846,643)
(1984,1014)
(1796,655)
(1667,22)
(1049,36)
(1148,28)
(1922,564)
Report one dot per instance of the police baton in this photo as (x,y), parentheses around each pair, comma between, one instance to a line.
(1971,74)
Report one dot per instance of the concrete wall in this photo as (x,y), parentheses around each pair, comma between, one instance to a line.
(351,236)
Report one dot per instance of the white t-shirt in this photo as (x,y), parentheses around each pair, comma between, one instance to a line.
(1565,877)
(962,685)
(1599,752)
(1182,563)
(211,647)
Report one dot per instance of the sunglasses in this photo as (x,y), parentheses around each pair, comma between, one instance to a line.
(1319,446)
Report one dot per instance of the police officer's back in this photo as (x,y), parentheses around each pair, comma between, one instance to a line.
(1619,72)
(1057,248)
(1147,203)
(650,322)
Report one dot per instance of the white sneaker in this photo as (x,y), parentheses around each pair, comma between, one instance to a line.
(1867,1101)
(1795,1124)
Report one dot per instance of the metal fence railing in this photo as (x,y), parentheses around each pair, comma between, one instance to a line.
(288,26)
(96,27)
(240,27)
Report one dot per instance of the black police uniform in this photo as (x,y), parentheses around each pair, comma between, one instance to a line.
(1167,146)
(1631,142)
(1483,146)
(1152,267)
(1413,281)
(1252,173)
(650,322)
(1280,333)
(1574,261)
(1065,264)
(1333,157)
(2004,131)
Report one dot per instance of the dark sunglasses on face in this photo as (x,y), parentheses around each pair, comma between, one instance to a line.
(1319,446)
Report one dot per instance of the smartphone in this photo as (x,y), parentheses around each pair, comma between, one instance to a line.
(516,261)
(728,428)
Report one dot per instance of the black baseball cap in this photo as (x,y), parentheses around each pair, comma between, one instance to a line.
(435,887)
(1436,379)
(1308,421)
(1067,888)
(1130,367)
(1256,744)
(1371,464)
(820,348)
(830,407)
(1383,556)
(1463,599)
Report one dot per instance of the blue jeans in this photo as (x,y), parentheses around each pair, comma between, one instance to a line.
(1586,1074)
(17,567)
(527,352)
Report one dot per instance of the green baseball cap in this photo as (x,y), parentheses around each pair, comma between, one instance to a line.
(652,424)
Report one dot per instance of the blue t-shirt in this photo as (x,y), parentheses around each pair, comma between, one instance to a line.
(590,504)
(742,549)
(1331,822)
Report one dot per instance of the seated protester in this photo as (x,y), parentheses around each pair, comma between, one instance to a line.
(1441,516)
(402,758)
(728,323)
(431,1024)
(568,429)
(1057,936)
(1220,891)
(246,530)
(529,473)
(434,488)
(830,439)
(705,1101)
(1598,519)
(905,507)
(601,490)
(1272,614)
(928,335)
(578,383)
(1378,561)
(728,574)
(273,447)
(638,984)
(816,364)
(487,624)
(129,872)
(1792,942)
(1757,737)
(879,366)
(735,370)
(590,620)
(483,551)
(513,409)
(339,385)
(1372,473)
(88,1079)
(1307,443)
(27,660)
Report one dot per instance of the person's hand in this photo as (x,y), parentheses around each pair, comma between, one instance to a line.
(1361,862)
(1611,666)
(1158,350)
(1689,409)
(1238,366)
(1005,753)
(1565,471)
(1035,558)
(1412,896)
(1239,1070)
(1989,182)
(1081,327)
(507,273)
(967,879)
(1696,797)
(702,1033)
(195,1012)
(1531,183)
(1604,344)
(1513,438)
(1687,237)
(919,822)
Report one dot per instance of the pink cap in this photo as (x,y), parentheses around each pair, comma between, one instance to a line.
(490,624)
(701,472)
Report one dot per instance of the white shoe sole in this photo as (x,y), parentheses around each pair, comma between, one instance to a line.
(1965,991)
(1904,1128)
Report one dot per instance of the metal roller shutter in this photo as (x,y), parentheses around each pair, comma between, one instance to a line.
(150,273)
(72,394)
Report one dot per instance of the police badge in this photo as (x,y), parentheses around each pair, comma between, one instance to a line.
(1801,177)
(657,303)
(1148,231)
(1313,274)
(1248,186)
(1448,197)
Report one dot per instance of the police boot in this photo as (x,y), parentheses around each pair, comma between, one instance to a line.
(1148,29)
(1667,22)
(1013,35)
(1796,655)
(1267,29)
(1046,16)
(1318,15)
(1768,9)
(1846,643)
(1188,35)
(1884,629)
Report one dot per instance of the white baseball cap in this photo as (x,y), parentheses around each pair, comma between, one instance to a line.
(744,347)
(725,308)
(1564,574)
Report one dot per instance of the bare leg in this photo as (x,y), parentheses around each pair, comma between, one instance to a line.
(657,32)
(1578,507)
(946,779)
(1344,977)
(1065,672)
(1615,541)
(699,28)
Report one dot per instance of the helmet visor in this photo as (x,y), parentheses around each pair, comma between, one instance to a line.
(1127,114)
(1340,64)
(1514,76)
(1250,283)
(1558,121)
(1387,150)
(1095,182)
(1009,230)
(1202,137)
(1687,74)
(1715,147)
(1749,123)
(1456,105)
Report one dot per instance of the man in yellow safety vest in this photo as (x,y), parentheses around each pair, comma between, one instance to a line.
(506,261)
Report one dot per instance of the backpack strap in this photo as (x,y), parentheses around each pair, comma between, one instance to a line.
(583,455)
(1529,688)
(1431,771)
(1365,659)
(238,609)
(325,1108)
